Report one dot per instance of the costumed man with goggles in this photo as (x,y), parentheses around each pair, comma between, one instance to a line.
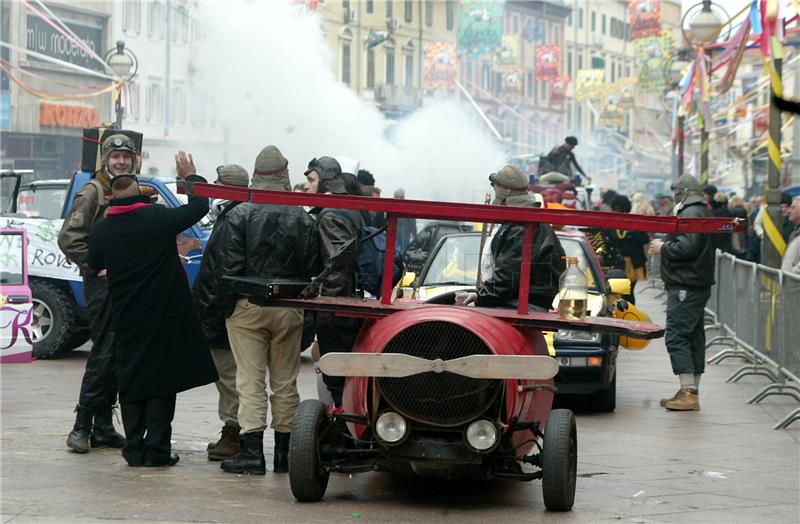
(93,423)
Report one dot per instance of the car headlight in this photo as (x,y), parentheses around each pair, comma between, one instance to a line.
(582,337)
(482,435)
(391,427)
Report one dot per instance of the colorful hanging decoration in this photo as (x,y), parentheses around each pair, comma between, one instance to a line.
(548,61)
(441,67)
(558,90)
(511,86)
(645,18)
(589,84)
(480,28)
(627,92)
(506,58)
(653,57)
(611,112)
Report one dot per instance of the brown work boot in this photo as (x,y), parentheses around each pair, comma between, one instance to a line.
(685,400)
(664,401)
(228,444)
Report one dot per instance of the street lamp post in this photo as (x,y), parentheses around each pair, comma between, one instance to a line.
(124,64)
(703,28)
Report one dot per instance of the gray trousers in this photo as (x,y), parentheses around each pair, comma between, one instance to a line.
(228,406)
(685,337)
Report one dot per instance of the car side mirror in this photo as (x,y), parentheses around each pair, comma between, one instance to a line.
(620,286)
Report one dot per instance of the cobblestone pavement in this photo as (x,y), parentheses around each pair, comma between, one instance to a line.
(639,464)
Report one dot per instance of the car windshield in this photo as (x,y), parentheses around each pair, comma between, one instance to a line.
(41,202)
(456,262)
(206,222)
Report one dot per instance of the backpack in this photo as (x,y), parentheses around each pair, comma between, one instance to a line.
(371,254)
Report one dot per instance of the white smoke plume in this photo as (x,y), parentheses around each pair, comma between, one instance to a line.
(267,69)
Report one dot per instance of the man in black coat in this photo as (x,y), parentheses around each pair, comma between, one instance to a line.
(160,346)
(687,269)
(502,288)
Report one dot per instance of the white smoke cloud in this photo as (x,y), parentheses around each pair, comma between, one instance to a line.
(267,68)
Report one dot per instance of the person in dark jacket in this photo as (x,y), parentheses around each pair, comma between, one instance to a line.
(406,227)
(719,208)
(502,288)
(338,246)
(561,159)
(631,245)
(687,269)
(269,242)
(93,420)
(160,346)
(213,320)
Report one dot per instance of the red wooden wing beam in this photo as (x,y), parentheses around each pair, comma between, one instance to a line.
(469,212)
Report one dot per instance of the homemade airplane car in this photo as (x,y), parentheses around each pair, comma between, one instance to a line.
(443,390)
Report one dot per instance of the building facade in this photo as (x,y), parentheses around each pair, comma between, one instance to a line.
(41,113)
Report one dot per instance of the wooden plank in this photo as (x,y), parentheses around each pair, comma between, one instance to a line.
(396,365)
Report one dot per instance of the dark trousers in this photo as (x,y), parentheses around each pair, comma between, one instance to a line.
(336,335)
(99,386)
(685,337)
(148,430)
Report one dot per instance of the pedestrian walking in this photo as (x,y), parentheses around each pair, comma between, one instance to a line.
(687,269)
(93,421)
(159,342)
(212,319)
(267,242)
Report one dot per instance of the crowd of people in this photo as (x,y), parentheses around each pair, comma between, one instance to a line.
(161,337)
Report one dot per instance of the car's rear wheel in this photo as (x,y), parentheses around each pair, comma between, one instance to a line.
(560,460)
(307,477)
(53,320)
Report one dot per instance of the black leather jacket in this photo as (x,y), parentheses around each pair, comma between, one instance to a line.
(208,277)
(267,240)
(502,289)
(338,246)
(687,260)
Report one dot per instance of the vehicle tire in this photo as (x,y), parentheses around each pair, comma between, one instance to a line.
(78,338)
(53,322)
(307,478)
(605,401)
(559,460)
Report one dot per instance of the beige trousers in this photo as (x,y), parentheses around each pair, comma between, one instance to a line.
(266,340)
(228,406)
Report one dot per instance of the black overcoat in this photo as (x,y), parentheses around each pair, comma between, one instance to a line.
(158,340)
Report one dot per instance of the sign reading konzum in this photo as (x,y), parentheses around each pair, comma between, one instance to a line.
(60,115)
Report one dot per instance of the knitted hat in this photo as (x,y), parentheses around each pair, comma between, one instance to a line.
(271,170)
(508,182)
(233,175)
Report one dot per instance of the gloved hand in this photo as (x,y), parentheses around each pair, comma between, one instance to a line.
(466,298)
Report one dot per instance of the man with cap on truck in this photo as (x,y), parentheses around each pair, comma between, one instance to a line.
(561,160)
(93,422)
(501,289)
(269,242)
(213,320)
(687,269)
(338,246)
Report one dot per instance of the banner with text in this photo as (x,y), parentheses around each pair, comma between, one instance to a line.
(480,28)
(441,67)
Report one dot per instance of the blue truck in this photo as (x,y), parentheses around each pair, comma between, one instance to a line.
(60,321)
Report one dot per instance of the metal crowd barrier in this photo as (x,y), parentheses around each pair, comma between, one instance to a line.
(754,308)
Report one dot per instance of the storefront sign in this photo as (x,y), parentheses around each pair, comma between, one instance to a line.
(59,115)
(44,39)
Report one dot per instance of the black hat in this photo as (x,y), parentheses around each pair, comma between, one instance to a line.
(710,190)
(571,140)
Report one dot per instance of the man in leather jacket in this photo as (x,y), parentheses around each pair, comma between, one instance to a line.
(213,321)
(93,422)
(687,269)
(502,288)
(272,242)
(338,245)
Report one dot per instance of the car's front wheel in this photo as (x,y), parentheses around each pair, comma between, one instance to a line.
(53,320)
(307,477)
(559,460)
